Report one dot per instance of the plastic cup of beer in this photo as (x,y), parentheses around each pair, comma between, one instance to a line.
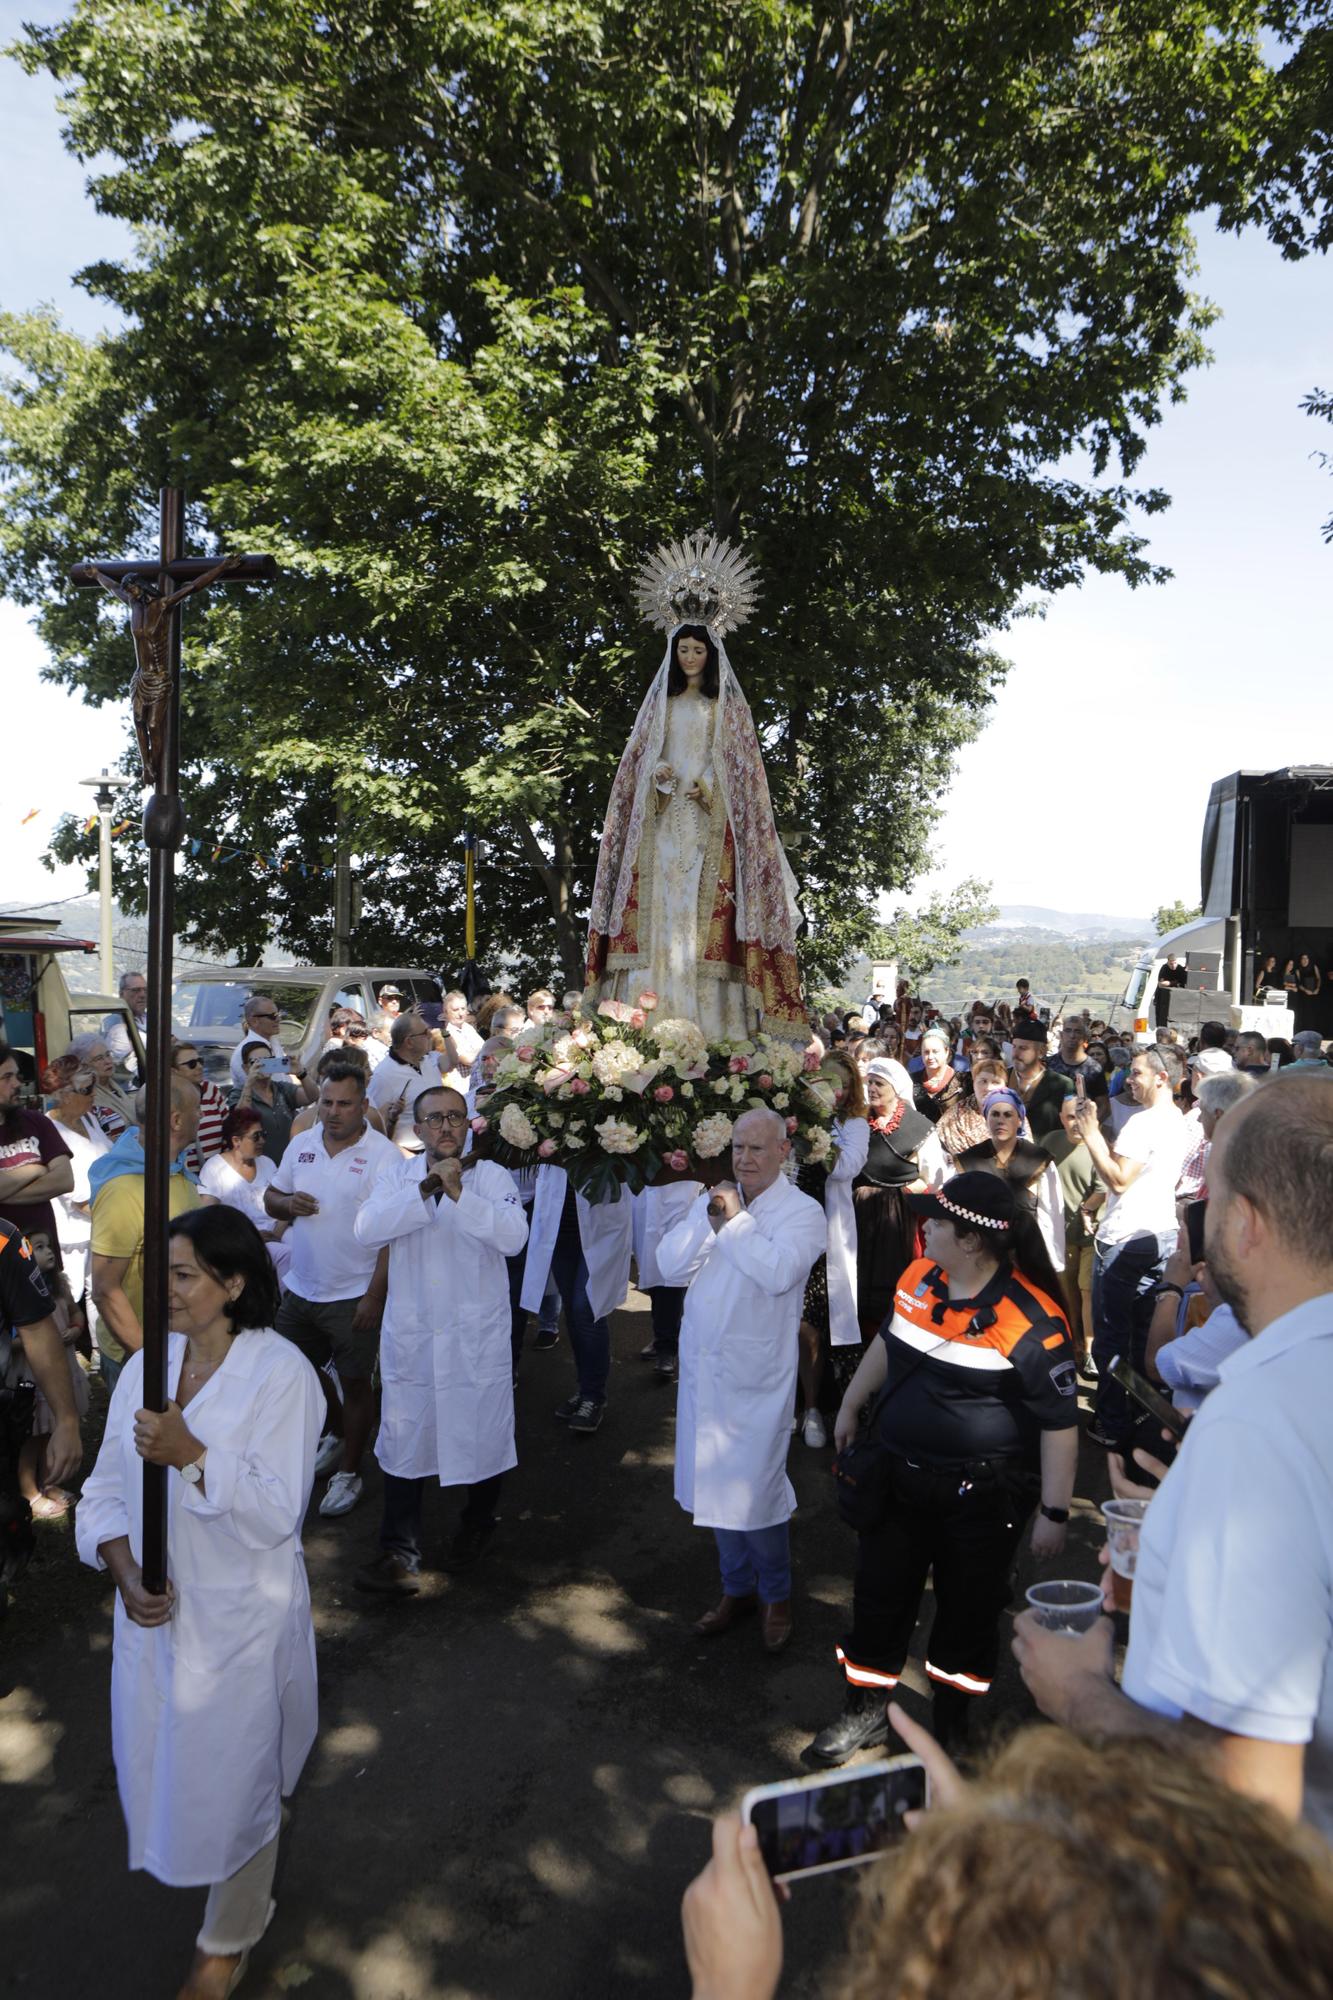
(1066,1606)
(1124,1519)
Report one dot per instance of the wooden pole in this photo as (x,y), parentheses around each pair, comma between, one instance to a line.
(162,826)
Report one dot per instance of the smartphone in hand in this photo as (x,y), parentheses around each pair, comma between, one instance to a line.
(1150,1399)
(836,1819)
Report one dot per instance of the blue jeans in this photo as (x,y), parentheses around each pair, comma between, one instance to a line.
(753,1557)
(1124,1276)
(109,1370)
(589,1338)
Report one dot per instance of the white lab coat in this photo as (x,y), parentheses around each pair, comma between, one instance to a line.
(214,1713)
(656,1212)
(738,1349)
(853,1136)
(605,1231)
(445,1359)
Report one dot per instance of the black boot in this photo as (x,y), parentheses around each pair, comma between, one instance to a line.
(861,1723)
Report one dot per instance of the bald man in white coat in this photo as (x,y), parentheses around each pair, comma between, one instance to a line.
(445,1362)
(745,1251)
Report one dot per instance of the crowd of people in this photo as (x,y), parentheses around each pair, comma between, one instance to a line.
(1014,1204)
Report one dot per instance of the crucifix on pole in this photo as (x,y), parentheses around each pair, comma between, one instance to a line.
(155,588)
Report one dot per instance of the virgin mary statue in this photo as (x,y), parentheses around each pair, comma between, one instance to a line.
(694,900)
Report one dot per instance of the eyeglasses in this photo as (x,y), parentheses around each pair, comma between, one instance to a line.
(355,1034)
(434,1119)
(265,1014)
(188,1062)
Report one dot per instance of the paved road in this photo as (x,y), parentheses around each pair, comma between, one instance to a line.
(515,1773)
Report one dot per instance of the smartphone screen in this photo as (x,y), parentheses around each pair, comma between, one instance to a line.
(1151,1399)
(835,1820)
(1196,1213)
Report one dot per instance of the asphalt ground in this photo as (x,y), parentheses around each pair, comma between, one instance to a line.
(515,1771)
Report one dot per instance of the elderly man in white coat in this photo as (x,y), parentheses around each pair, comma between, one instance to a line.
(745,1252)
(445,1365)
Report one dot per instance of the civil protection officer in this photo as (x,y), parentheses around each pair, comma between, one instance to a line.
(978,1423)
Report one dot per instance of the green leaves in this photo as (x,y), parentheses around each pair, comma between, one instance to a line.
(459,309)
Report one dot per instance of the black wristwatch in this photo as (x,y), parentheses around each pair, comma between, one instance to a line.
(1060,1515)
(1169,1285)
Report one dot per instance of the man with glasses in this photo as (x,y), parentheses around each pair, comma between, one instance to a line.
(412,1067)
(445,1363)
(133,990)
(260,1021)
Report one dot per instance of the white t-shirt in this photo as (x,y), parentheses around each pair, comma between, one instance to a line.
(396,1079)
(1158,1137)
(218,1178)
(327,1261)
(1234,1581)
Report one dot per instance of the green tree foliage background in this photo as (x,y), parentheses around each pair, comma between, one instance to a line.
(459,310)
(1170,916)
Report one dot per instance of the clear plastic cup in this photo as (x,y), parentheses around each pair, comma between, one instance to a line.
(1066,1606)
(1124,1519)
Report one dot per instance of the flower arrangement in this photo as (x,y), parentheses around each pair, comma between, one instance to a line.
(622,1100)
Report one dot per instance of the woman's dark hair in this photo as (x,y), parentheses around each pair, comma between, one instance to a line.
(254,1043)
(1023,1249)
(227,1245)
(711,680)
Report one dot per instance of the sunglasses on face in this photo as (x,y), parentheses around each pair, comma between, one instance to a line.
(189,1062)
(355,1034)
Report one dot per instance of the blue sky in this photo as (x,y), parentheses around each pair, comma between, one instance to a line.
(1087,788)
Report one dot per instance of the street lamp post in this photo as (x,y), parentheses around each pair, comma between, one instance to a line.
(105,788)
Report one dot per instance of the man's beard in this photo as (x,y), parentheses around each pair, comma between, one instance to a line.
(1229,1284)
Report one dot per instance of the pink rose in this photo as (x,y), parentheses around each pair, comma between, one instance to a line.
(664,1093)
(578,1086)
(738,1066)
(526,1053)
(765,1081)
(547,1150)
(638,1019)
(678,1161)
(479,1125)
(810,1060)
(648,1001)
(553,1079)
(791,1124)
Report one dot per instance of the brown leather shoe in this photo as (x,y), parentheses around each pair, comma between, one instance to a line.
(776,1623)
(714,1623)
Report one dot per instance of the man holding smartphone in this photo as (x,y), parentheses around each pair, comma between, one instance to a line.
(745,1250)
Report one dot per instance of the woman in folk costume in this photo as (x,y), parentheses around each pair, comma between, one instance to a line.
(694,900)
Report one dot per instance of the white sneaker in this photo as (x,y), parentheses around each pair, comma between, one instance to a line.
(343,1494)
(330,1451)
(813,1431)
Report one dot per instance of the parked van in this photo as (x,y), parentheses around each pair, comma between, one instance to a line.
(206,1006)
(41,1015)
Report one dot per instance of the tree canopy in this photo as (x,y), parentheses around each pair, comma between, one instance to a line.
(459,310)
(1171,916)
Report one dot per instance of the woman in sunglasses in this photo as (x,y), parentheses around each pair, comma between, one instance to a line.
(276,1100)
(187,1064)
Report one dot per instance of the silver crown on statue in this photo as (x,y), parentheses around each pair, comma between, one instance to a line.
(698,581)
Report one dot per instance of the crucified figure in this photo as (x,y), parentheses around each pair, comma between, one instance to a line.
(150,627)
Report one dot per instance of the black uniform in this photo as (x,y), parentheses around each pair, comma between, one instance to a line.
(24,1300)
(972,1384)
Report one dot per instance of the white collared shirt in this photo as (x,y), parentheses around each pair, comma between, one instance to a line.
(1233,1596)
(327,1260)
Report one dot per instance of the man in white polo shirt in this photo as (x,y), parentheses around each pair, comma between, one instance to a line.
(1138,1229)
(1231,1638)
(334,1299)
(411,1067)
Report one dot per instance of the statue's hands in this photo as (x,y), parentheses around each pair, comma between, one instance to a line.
(700,793)
(664,778)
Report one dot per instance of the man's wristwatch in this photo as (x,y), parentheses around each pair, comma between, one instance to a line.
(194,1471)
(1060,1515)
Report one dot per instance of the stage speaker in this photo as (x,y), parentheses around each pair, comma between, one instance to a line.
(1202,970)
